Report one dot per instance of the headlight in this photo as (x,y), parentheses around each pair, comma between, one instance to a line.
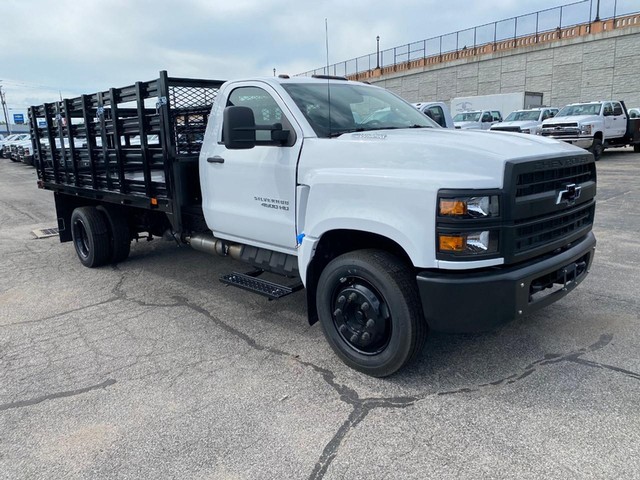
(586,129)
(472,243)
(469,207)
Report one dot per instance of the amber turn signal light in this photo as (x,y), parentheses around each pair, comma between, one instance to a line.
(452,207)
(452,243)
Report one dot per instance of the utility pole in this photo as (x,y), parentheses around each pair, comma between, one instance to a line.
(4,110)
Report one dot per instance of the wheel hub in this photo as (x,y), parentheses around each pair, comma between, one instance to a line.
(361,317)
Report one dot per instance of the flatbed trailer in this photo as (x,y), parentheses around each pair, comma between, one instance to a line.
(135,146)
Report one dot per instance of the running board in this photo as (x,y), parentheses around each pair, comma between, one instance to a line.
(256,285)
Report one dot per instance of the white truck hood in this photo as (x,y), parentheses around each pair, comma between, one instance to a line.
(431,157)
(580,119)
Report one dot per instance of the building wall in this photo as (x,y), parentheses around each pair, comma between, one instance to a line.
(602,66)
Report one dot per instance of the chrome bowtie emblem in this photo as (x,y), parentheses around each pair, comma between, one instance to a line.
(569,195)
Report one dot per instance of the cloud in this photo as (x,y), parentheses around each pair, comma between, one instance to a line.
(90,45)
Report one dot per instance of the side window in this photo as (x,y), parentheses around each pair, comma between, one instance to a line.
(617,109)
(436,114)
(607,110)
(265,109)
(496,116)
(486,117)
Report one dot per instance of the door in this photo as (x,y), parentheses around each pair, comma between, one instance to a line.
(486,121)
(609,125)
(619,120)
(249,196)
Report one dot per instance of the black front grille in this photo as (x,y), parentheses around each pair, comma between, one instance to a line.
(552,203)
(561,133)
(559,125)
(547,230)
(507,129)
(540,181)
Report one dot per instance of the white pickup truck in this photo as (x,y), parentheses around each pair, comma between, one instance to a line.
(393,225)
(525,121)
(593,126)
(477,120)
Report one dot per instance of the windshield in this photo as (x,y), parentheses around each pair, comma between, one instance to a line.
(523,116)
(353,108)
(467,117)
(582,109)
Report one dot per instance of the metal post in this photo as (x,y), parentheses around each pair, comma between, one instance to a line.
(590,11)
(4,111)
(515,30)
(561,17)
(615,8)
(537,17)
(274,72)
(378,51)
(597,11)
(424,49)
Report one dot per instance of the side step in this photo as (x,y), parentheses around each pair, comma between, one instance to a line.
(248,281)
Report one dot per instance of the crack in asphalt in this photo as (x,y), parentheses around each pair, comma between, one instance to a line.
(361,407)
(52,396)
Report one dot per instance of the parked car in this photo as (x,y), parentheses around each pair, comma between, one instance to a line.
(477,120)
(436,111)
(16,147)
(5,144)
(525,121)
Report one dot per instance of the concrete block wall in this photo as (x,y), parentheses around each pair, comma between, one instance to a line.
(602,66)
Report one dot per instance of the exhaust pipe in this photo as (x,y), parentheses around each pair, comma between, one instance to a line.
(207,243)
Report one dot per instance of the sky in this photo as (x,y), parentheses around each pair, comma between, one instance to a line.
(50,48)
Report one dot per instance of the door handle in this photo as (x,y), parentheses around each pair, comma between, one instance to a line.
(215,159)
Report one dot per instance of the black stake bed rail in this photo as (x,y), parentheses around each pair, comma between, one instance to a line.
(136,145)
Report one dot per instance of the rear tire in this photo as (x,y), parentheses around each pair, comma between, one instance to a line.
(597,148)
(370,311)
(90,236)
(119,233)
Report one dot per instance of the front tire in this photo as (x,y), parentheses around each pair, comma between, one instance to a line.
(370,311)
(597,148)
(90,236)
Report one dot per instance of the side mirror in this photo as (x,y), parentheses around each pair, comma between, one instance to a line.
(239,128)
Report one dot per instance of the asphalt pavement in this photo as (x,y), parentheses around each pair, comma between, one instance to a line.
(154,369)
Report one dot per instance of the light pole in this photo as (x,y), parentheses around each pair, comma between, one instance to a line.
(4,111)
(377,51)
(597,19)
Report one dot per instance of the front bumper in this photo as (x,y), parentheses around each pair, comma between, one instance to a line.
(582,142)
(458,302)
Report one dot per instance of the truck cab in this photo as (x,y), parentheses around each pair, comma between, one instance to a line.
(436,111)
(477,120)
